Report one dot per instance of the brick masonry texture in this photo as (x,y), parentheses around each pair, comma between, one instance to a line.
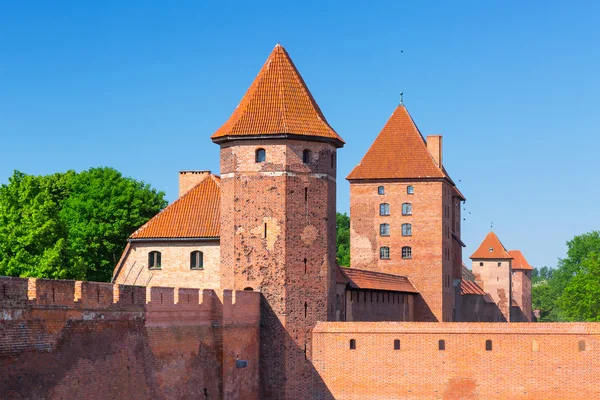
(435,261)
(527,360)
(278,219)
(75,340)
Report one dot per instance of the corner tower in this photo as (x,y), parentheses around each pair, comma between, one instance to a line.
(405,216)
(278,171)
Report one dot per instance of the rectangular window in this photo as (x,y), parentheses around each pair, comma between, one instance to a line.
(384,229)
(406,230)
(384,253)
(407,209)
(380,190)
(406,252)
(384,209)
(410,189)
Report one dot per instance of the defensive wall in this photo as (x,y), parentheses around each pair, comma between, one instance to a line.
(406,360)
(70,339)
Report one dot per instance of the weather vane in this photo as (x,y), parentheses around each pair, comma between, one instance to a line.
(401,98)
(492,226)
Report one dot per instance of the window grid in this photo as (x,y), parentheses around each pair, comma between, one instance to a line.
(384,209)
(384,229)
(384,253)
(407,209)
(407,252)
(406,230)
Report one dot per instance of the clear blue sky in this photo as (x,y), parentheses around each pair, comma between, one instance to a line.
(513,87)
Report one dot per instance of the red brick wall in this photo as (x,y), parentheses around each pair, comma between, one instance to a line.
(373,305)
(527,361)
(189,179)
(521,288)
(494,277)
(434,252)
(296,203)
(70,340)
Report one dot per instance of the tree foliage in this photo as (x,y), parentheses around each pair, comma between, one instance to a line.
(343,239)
(571,292)
(70,225)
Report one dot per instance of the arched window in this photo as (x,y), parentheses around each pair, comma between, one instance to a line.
(196,260)
(352,344)
(261,155)
(410,189)
(406,209)
(582,345)
(397,344)
(306,156)
(384,253)
(406,230)
(380,190)
(248,289)
(488,345)
(442,345)
(384,209)
(406,252)
(154,260)
(384,229)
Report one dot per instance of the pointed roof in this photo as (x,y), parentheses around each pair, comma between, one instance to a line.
(194,215)
(519,261)
(399,151)
(491,248)
(468,284)
(277,103)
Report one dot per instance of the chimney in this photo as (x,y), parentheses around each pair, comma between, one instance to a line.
(189,179)
(434,145)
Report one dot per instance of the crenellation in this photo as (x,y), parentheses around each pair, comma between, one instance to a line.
(13,292)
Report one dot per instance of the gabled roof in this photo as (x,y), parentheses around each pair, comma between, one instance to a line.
(519,261)
(277,103)
(194,215)
(399,151)
(361,279)
(491,242)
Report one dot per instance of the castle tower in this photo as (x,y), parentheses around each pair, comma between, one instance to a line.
(521,287)
(278,171)
(491,265)
(405,216)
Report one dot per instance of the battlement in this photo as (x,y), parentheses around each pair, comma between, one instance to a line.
(159,303)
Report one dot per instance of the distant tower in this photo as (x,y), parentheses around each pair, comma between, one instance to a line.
(278,171)
(521,287)
(492,267)
(405,216)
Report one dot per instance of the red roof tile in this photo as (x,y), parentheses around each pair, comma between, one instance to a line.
(469,287)
(399,151)
(519,261)
(361,279)
(468,284)
(277,103)
(491,242)
(194,215)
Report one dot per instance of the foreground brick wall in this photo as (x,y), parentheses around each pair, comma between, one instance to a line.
(71,340)
(527,361)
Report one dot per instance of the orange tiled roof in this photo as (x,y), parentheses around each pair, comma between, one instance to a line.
(469,287)
(399,151)
(498,251)
(193,215)
(519,261)
(361,279)
(277,103)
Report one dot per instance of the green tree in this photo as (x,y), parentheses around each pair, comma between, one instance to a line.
(581,298)
(343,239)
(70,225)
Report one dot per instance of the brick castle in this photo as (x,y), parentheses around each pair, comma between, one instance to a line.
(233,290)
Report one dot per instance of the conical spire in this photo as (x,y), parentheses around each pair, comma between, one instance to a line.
(399,151)
(492,248)
(277,103)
